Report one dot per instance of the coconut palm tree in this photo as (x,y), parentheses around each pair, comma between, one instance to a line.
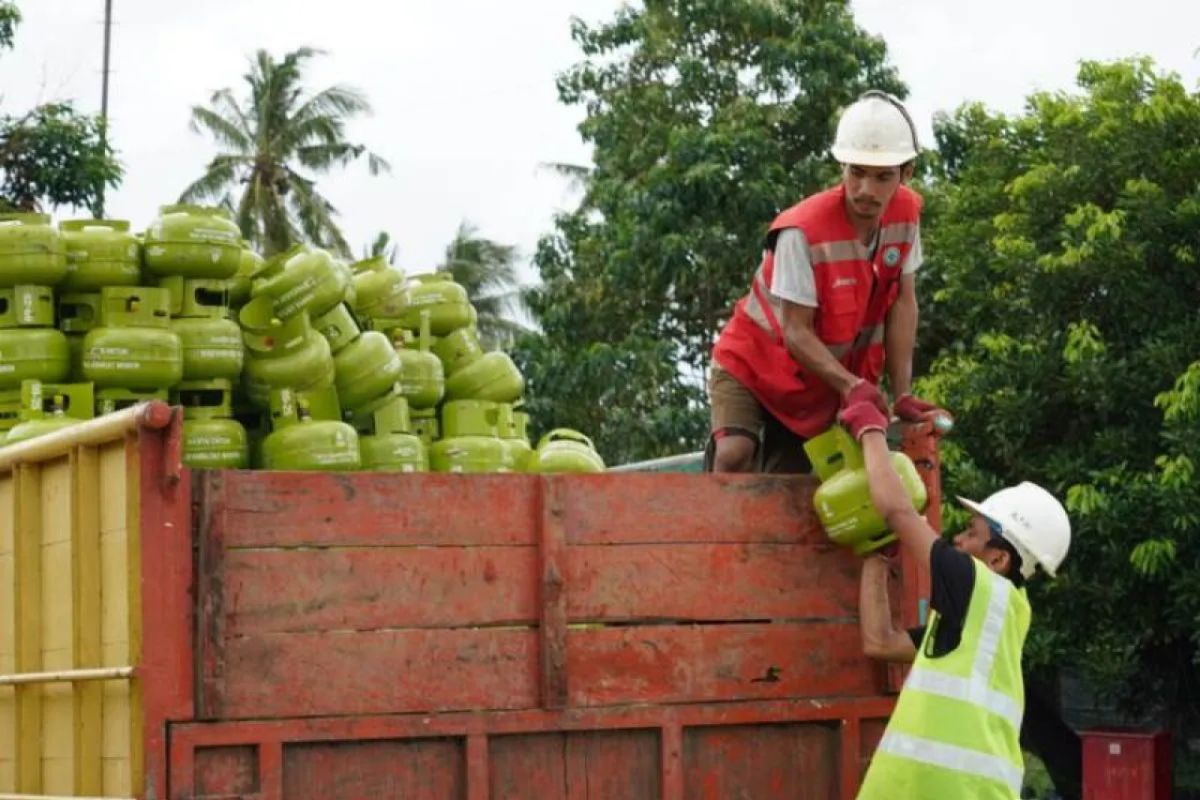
(488,271)
(267,139)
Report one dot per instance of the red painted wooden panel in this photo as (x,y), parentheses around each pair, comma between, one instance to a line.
(226,771)
(281,509)
(602,765)
(871,732)
(377,672)
(621,508)
(421,769)
(378,587)
(762,762)
(695,663)
(711,582)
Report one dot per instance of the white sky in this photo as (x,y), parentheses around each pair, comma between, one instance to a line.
(463,90)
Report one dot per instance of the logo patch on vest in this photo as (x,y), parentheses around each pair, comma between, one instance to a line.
(891,256)
(845,282)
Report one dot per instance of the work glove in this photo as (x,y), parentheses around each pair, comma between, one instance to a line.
(865,392)
(861,417)
(914,409)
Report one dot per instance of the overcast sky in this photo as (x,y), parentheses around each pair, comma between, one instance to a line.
(463,90)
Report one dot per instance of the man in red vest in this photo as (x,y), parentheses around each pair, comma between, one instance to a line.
(832,302)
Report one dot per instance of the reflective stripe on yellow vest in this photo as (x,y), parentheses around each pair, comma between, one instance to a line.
(955,731)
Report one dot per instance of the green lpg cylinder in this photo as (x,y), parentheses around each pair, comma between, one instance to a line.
(492,377)
(300,442)
(211,341)
(843,500)
(211,438)
(386,440)
(512,427)
(469,443)
(78,313)
(421,380)
(100,252)
(426,426)
(378,289)
(31,251)
(458,349)
(46,408)
(134,347)
(366,366)
(302,279)
(281,353)
(30,347)
(239,285)
(193,242)
(565,450)
(446,301)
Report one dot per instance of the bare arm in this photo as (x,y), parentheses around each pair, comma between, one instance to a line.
(804,345)
(892,502)
(880,638)
(900,334)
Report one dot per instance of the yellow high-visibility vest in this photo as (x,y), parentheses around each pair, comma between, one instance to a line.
(955,732)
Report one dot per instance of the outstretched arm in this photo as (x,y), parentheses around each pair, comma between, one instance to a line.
(891,501)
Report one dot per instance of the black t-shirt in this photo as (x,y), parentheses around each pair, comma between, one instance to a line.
(952,579)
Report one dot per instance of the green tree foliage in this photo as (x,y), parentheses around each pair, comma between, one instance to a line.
(706,118)
(488,271)
(1060,307)
(51,155)
(268,138)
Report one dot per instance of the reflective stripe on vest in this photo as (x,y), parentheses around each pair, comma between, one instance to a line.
(955,730)
(976,689)
(952,757)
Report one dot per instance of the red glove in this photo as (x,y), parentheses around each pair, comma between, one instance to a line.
(861,417)
(865,392)
(914,409)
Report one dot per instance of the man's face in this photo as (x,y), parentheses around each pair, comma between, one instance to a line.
(974,540)
(870,189)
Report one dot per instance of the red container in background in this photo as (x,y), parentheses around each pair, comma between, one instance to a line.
(1126,765)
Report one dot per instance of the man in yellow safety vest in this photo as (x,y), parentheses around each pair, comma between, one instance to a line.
(954,732)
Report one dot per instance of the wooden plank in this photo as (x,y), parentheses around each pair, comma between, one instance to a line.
(279,509)
(429,769)
(695,663)
(660,508)
(600,765)
(27,533)
(553,597)
(711,582)
(613,765)
(870,732)
(211,619)
(136,729)
(478,767)
(365,588)
(85,549)
(762,762)
(849,771)
(378,672)
(671,748)
(226,771)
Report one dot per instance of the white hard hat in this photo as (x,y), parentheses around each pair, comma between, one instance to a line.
(1032,521)
(875,131)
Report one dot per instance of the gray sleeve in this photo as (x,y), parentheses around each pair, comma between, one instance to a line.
(793,277)
(915,256)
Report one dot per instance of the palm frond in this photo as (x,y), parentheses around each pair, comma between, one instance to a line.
(225,131)
(315,215)
(576,175)
(219,175)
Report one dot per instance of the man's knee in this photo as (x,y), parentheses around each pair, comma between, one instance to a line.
(734,454)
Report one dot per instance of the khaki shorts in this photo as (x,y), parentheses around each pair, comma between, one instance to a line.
(737,412)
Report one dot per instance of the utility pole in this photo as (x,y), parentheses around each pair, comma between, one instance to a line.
(104,99)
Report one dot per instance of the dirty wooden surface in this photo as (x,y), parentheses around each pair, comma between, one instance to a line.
(626,636)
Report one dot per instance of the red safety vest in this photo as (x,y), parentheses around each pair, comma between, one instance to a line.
(854,295)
